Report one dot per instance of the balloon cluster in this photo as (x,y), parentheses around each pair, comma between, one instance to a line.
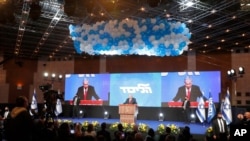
(152,37)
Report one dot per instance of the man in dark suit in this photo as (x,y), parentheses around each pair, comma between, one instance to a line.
(189,90)
(86,92)
(220,130)
(186,110)
(76,102)
(130,100)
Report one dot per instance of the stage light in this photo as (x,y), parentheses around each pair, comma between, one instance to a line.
(161,117)
(81,113)
(233,75)
(106,115)
(192,117)
(241,70)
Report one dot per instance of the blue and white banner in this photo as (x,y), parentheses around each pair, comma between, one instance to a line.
(211,109)
(226,109)
(200,111)
(58,110)
(33,105)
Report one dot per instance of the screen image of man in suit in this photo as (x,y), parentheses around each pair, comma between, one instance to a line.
(189,90)
(220,130)
(186,110)
(130,100)
(87,92)
(76,102)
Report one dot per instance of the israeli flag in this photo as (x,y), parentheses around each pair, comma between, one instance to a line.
(211,109)
(200,111)
(33,105)
(58,110)
(226,109)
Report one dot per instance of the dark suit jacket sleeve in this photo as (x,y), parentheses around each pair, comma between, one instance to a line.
(80,92)
(126,101)
(195,93)
(134,101)
(92,93)
(180,95)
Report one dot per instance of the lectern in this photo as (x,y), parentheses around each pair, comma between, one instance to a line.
(128,113)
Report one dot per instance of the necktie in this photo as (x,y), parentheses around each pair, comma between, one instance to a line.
(221,126)
(85,93)
(188,93)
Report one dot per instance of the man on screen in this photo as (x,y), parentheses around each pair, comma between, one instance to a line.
(86,92)
(188,89)
(130,100)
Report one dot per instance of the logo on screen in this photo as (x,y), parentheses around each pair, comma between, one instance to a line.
(139,88)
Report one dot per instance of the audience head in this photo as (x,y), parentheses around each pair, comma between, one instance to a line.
(103,125)
(120,127)
(168,130)
(22,101)
(151,132)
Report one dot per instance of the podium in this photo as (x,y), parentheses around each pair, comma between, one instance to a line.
(128,113)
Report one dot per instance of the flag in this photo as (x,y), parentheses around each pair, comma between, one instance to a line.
(226,109)
(211,109)
(58,107)
(33,105)
(200,111)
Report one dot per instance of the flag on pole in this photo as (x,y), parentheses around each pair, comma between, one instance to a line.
(211,109)
(33,106)
(58,106)
(226,109)
(200,111)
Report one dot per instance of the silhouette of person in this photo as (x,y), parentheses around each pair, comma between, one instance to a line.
(76,102)
(186,110)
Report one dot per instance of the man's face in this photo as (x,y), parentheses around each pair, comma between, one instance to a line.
(219,116)
(188,83)
(85,84)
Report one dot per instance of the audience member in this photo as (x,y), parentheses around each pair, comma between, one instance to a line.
(20,124)
(167,132)
(185,134)
(90,131)
(103,133)
(151,135)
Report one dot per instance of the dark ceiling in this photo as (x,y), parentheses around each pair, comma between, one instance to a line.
(38,29)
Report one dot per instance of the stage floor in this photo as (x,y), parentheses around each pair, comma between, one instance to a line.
(195,128)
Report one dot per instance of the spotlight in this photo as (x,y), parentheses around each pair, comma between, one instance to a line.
(192,117)
(106,115)
(161,117)
(233,73)
(241,70)
(81,113)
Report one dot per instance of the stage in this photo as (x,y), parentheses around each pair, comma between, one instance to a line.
(197,129)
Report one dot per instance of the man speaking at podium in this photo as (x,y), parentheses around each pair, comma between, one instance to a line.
(86,92)
(130,100)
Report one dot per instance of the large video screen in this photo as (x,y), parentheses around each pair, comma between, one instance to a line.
(154,89)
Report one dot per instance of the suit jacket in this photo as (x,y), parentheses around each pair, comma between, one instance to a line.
(90,93)
(194,94)
(132,102)
(216,127)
